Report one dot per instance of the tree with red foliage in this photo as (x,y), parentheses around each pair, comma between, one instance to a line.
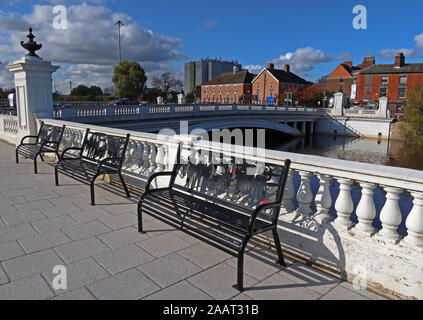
(308,96)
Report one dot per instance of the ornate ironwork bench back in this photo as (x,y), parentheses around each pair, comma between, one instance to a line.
(98,146)
(232,182)
(49,133)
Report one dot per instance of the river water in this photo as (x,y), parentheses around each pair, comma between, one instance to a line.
(390,153)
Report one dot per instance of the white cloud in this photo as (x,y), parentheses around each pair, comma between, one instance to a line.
(208,24)
(89,43)
(392,53)
(254,68)
(419,40)
(302,60)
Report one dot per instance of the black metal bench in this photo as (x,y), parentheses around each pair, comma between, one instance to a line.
(223,204)
(47,141)
(100,154)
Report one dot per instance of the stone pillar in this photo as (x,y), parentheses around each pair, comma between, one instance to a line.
(181,98)
(383,111)
(34,94)
(338,104)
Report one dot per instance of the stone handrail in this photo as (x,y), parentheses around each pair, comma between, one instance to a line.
(128,112)
(9,128)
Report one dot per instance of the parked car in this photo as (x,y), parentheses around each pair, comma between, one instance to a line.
(123,102)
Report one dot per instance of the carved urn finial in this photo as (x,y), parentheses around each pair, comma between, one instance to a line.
(31,45)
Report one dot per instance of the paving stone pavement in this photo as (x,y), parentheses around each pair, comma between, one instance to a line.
(42,226)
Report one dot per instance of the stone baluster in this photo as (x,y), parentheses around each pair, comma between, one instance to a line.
(152,156)
(344,205)
(166,158)
(414,222)
(323,200)
(390,216)
(139,156)
(304,194)
(289,194)
(160,158)
(366,210)
(146,155)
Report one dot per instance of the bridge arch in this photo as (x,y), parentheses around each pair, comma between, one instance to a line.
(245,123)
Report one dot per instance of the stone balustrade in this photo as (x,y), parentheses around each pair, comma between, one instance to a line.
(342,215)
(81,113)
(9,127)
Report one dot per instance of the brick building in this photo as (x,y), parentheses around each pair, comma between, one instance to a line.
(231,87)
(347,73)
(391,80)
(270,83)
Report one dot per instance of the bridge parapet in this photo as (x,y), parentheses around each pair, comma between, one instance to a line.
(101,113)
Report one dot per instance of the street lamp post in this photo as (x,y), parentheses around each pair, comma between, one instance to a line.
(119,23)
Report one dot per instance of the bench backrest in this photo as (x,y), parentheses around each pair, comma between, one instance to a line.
(50,133)
(237,183)
(98,146)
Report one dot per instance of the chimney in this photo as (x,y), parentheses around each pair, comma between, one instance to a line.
(367,62)
(399,60)
(270,66)
(348,63)
(287,68)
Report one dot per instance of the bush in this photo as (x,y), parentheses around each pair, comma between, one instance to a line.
(412,128)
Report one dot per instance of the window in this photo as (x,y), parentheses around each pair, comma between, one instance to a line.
(258,86)
(402,92)
(213,87)
(384,80)
(403,80)
(220,88)
(234,86)
(207,97)
(383,91)
(227,87)
(369,79)
(214,97)
(220,97)
(271,86)
(368,92)
(235,98)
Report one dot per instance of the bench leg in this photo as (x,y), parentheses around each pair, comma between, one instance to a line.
(240,273)
(140,227)
(56,175)
(125,187)
(280,260)
(17,155)
(92,188)
(35,163)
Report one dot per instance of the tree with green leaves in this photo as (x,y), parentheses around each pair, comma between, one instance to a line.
(129,79)
(412,128)
(84,91)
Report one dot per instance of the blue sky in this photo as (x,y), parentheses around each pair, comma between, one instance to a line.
(313,36)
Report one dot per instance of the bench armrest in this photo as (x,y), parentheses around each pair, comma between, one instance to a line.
(62,157)
(154,176)
(47,143)
(258,210)
(28,137)
(105,161)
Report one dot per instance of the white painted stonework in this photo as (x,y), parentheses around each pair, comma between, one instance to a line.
(33,84)
(350,126)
